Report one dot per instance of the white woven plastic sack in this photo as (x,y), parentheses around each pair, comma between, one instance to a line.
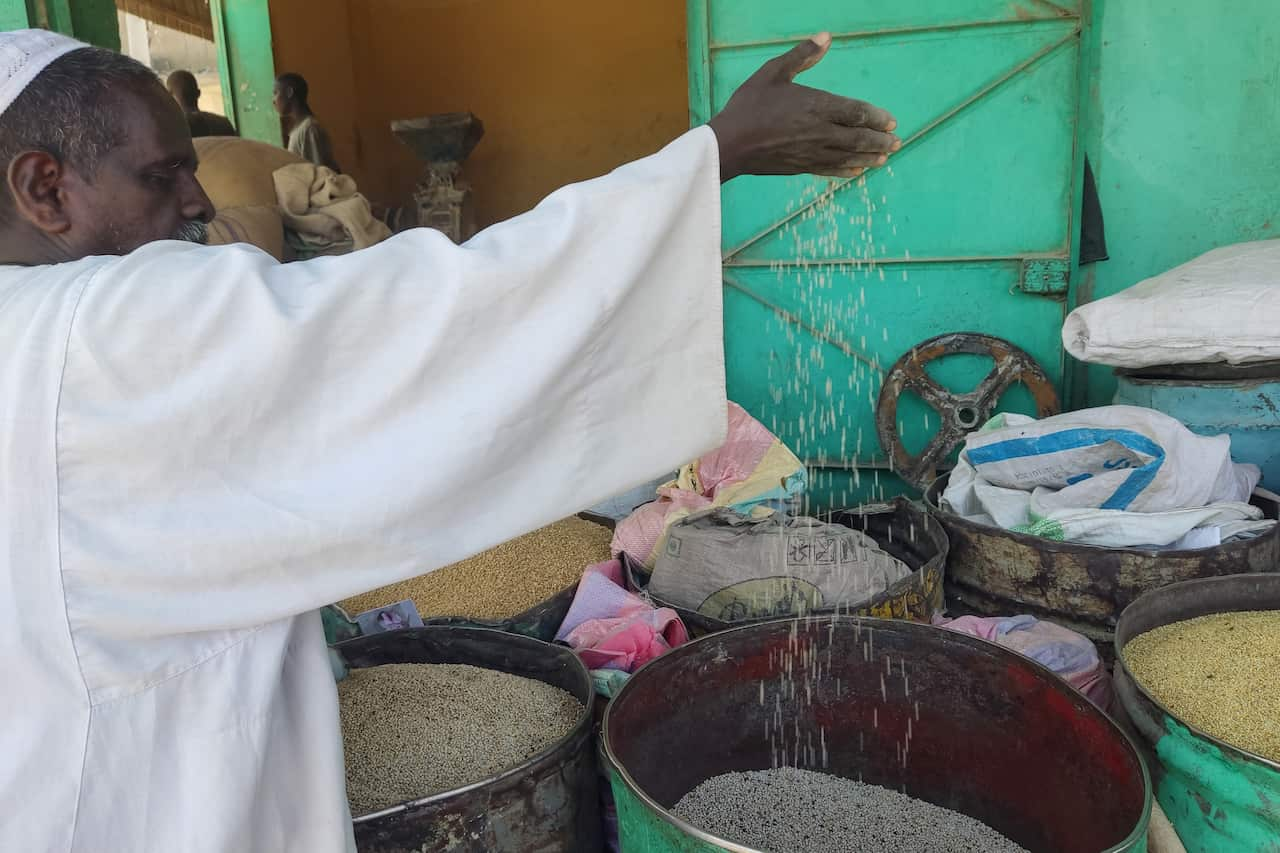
(1119,476)
(1222,306)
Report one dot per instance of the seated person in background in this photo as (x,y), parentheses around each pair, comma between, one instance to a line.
(307,138)
(182,85)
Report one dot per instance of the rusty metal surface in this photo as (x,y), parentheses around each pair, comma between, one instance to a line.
(1254,372)
(900,527)
(960,413)
(1084,587)
(548,804)
(990,733)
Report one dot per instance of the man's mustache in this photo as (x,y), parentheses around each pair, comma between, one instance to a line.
(192,231)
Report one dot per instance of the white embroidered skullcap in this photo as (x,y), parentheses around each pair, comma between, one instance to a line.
(24,54)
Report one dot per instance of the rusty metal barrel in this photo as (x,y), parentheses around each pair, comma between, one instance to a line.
(989,733)
(548,803)
(997,572)
(1220,799)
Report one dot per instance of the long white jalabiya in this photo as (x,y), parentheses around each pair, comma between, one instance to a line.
(199,447)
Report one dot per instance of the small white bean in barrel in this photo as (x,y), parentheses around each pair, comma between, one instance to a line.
(412,730)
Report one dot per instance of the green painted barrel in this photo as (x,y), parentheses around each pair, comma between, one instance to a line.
(1220,799)
(990,733)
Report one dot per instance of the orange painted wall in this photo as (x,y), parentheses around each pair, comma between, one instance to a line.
(567,89)
(312,38)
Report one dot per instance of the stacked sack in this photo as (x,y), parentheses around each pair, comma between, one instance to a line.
(731,567)
(1115,476)
(751,472)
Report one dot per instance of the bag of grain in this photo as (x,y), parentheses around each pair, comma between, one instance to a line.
(238,172)
(731,566)
(751,469)
(259,226)
(1219,307)
(1116,476)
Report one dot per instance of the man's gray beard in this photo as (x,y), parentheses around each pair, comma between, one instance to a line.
(193,231)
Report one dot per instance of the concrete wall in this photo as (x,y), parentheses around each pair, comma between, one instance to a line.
(567,89)
(1187,95)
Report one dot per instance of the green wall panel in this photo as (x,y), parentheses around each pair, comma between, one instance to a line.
(1183,115)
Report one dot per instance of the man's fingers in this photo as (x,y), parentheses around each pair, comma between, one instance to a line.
(854,113)
(847,160)
(801,58)
(861,140)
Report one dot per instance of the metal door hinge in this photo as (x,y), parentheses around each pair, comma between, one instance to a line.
(1045,276)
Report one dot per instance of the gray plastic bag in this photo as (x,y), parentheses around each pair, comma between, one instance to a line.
(730,566)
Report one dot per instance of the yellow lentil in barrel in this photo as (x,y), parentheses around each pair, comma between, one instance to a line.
(1218,673)
(503,581)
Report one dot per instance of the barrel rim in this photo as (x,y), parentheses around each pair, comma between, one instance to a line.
(615,765)
(932,499)
(1150,599)
(580,730)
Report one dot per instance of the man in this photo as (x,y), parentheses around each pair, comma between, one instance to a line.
(199,446)
(186,91)
(307,138)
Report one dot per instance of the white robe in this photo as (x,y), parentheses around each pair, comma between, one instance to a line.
(199,447)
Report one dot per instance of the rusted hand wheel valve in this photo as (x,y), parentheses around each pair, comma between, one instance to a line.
(960,414)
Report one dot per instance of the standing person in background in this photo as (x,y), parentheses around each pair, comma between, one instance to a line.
(182,85)
(307,138)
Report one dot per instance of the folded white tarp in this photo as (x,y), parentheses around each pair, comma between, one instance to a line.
(1224,306)
(1119,476)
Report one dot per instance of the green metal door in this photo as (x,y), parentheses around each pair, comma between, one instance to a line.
(827,283)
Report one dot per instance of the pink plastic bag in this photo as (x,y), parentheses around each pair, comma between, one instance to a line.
(612,628)
(1072,656)
(752,468)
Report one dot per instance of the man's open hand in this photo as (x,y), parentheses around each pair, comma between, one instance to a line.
(772,126)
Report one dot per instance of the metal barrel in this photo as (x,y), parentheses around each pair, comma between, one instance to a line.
(1240,401)
(1220,799)
(992,734)
(1083,587)
(547,804)
(900,527)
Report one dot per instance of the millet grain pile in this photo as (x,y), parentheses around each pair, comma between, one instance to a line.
(1218,673)
(503,581)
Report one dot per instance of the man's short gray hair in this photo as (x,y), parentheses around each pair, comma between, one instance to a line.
(69,109)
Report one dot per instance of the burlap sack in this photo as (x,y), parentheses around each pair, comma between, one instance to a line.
(238,172)
(731,567)
(259,226)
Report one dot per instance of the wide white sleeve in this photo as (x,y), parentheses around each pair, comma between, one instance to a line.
(240,440)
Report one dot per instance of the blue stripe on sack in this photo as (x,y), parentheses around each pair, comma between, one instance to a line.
(1074,439)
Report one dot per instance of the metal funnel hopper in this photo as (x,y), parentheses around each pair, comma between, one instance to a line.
(442,139)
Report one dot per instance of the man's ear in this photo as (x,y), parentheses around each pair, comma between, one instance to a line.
(36,182)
